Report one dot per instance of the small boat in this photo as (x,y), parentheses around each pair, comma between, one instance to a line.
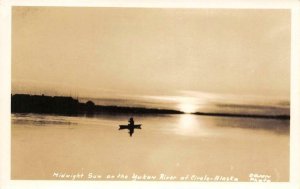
(130,126)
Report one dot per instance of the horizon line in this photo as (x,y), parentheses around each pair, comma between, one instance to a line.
(172,111)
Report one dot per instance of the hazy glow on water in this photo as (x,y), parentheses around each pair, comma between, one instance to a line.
(189,125)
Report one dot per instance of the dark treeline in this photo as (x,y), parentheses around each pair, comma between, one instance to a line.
(24,103)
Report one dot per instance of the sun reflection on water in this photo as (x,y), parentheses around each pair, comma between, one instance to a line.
(191,125)
(187,121)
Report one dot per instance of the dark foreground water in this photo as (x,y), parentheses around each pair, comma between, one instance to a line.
(175,147)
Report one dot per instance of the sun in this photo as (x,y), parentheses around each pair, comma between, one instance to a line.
(187,108)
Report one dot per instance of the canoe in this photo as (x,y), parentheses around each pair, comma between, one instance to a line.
(129,127)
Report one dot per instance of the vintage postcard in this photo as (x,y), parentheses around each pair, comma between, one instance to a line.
(151,94)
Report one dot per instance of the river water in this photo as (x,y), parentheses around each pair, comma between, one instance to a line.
(177,146)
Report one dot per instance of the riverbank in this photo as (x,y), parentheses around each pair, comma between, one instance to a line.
(25,103)
(63,105)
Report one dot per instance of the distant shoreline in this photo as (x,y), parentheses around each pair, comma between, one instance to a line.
(25,103)
(244,115)
(63,105)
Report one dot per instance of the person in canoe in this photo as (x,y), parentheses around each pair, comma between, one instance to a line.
(131,121)
(131,126)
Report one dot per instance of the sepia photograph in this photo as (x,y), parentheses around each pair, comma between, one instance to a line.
(150,94)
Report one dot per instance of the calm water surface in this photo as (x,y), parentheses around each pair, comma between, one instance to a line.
(175,145)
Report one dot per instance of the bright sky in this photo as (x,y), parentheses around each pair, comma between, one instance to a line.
(99,52)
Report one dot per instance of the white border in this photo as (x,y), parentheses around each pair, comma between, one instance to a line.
(259,4)
(295,98)
(5,88)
